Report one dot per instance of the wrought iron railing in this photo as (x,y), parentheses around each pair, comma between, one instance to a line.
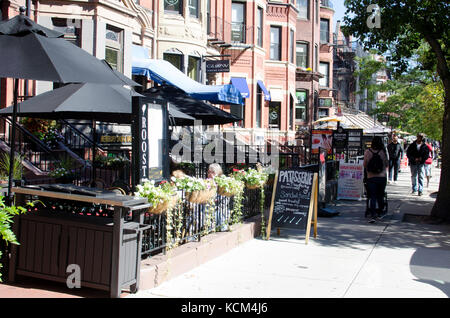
(29,146)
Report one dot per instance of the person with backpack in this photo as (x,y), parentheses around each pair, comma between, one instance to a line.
(417,154)
(395,151)
(376,163)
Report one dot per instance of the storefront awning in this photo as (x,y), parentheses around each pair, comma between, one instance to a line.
(241,84)
(265,91)
(165,73)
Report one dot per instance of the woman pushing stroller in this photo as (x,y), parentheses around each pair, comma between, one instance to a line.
(376,162)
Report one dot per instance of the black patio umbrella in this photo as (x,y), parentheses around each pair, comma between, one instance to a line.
(179,100)
(88,101)
(31,51)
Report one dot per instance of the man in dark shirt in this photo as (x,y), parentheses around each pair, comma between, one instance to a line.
(395,151)
(417,154)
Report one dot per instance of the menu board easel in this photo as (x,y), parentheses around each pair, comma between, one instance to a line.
(294,201)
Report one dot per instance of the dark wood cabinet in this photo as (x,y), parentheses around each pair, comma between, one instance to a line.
(107,250)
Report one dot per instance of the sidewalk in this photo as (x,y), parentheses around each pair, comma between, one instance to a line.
(349,258)
(396,257)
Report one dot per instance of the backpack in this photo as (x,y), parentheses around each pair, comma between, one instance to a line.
(375,164)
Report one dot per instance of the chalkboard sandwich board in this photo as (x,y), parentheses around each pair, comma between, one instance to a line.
(294,200)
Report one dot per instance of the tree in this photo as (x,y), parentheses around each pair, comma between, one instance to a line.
(403,25)
(366,70)
(417,100)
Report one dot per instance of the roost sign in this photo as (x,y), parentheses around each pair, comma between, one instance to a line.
(294,201)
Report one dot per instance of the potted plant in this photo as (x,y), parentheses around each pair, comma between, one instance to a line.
(197,190)
(5,165)
(52,137)
(63,171)
(255,179)
(228,186)
(162,197)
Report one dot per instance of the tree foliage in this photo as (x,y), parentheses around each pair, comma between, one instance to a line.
(404,25)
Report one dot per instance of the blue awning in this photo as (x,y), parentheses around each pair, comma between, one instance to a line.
(241,85)
(164,72)
(265,91)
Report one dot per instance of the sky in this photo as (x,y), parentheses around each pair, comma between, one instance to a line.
(339,10)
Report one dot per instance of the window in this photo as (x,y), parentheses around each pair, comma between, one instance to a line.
(259,101)
(237,22)
(317,11)
(274,114)
(208,16)
(302,6)
(259,27)
(113,48)
(175,59)
(323,112)
(302,55)
(324,69)
(275,43)
(291,112)
(316,58)
(70,27)
(301,105)
(292,47)
(173,6)
(324,31)
(194,68)
(238,111)
(193,8)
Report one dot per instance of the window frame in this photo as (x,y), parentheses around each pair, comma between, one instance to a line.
(292,46)
(302,10)
(170,11)
(306,45)
(326,76)
(115,46)
(239,24)
(303,106)
(278,51)
(178,55)
(327,31)
(260,27)
(196,7)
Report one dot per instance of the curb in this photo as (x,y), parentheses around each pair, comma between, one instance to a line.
(161,268)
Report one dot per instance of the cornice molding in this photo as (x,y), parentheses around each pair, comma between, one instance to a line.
(142,15)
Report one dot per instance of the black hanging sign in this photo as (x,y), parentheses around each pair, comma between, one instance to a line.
(340,138)
(221,66)
(294,200)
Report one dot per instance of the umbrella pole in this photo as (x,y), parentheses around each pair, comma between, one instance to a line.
(13,140)
(94,149)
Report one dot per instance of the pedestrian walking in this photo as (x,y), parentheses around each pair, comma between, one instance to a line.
(375,164)
(395,151)
(417,154)
(429,162)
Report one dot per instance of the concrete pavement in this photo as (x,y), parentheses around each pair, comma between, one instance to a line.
(397,257)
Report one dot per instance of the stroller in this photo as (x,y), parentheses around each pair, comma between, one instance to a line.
(366,192)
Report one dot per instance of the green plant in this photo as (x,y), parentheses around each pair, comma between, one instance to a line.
(7,214)
(114,162)
(5,161)
(51,137)
(156,194)
(63,168)
(255,178)
(190,184)
(228,185)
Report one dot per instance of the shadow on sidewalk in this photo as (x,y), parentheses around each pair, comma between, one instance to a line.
(432,266)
